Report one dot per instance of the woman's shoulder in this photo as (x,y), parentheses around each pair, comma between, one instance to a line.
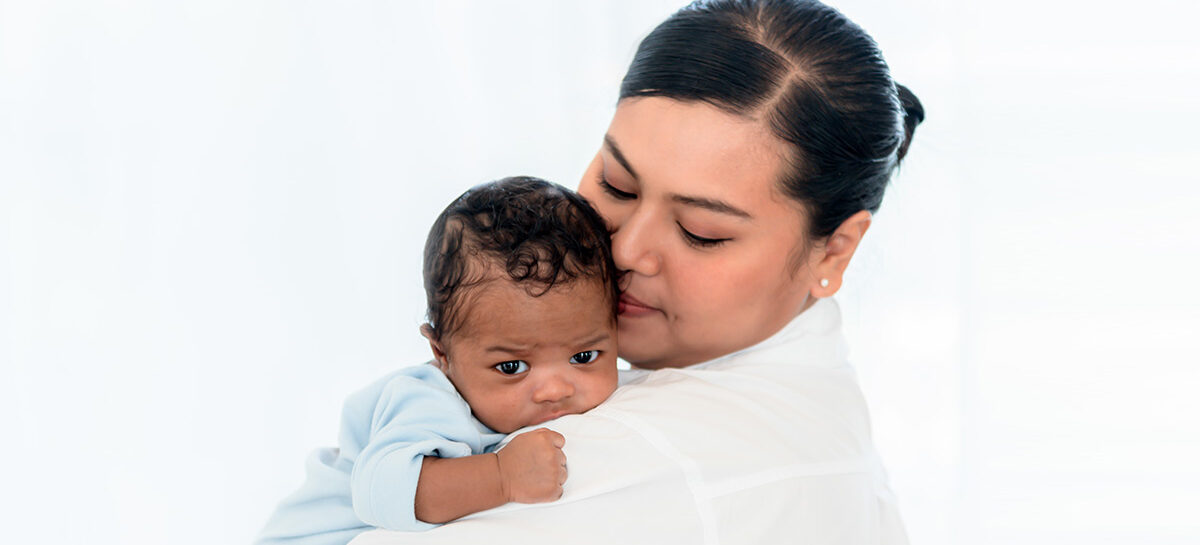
(794,396)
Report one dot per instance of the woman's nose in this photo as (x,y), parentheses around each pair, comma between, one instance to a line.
(634,246)
(552,389)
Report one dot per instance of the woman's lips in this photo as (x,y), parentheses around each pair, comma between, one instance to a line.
(630,307)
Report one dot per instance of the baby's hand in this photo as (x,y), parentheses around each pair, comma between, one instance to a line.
(533,467)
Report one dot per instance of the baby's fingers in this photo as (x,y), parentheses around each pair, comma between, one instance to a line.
(556,438)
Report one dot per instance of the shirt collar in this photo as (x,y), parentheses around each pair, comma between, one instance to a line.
(822,318)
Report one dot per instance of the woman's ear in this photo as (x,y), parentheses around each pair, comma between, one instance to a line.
(835,256)
(439,354)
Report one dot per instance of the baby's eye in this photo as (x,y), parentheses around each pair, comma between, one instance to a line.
(512,367)
(587,356)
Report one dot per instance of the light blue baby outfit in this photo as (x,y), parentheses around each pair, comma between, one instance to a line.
(370,480)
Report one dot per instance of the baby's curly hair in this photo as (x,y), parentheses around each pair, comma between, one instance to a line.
(538,233)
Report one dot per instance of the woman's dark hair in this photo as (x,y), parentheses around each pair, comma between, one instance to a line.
(815,77)
(534,232)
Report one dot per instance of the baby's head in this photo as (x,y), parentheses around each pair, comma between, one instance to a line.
(522,295)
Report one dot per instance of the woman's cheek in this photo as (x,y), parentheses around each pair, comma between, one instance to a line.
(700,291)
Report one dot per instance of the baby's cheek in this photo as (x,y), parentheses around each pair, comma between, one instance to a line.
(512,408)
(613,379)
(603,388)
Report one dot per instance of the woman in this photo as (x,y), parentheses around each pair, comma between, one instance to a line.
(751,143)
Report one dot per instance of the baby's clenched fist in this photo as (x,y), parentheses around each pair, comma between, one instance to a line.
(533,467)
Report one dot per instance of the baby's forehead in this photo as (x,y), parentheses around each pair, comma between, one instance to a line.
(490,277)
(527,313)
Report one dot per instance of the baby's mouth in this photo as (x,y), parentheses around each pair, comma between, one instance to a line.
(549,416)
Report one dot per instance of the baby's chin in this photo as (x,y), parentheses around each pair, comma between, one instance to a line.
(510,427)
(547,417)
(542,416)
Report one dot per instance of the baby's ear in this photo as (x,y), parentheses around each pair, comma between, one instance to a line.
(439,355)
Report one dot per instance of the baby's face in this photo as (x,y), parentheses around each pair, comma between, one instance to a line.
(521,360)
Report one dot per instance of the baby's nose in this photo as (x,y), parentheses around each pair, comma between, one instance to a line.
(553,388)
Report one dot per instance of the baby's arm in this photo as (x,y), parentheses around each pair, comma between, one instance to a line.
(530,469)
(414,414)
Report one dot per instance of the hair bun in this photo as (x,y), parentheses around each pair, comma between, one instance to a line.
(914,114)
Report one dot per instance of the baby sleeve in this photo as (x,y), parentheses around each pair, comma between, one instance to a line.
(415,416)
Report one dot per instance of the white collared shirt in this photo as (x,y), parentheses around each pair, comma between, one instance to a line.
(770,444)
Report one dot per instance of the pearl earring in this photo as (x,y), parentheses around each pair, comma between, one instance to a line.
(824,282)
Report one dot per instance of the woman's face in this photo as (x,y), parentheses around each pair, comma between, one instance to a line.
(709,243)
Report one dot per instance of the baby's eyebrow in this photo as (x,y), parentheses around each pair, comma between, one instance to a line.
(519,350)
(602,336)
(507,349)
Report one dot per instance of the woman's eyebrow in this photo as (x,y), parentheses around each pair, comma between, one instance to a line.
(620,157)
(699,202)
(711,204)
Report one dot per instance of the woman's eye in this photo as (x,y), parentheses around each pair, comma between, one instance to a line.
(699,241)
(512,367)
(616,193)
(587,356)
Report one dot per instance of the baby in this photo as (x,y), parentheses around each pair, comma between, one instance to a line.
(522,295)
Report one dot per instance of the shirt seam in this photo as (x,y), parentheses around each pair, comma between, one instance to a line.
(691,471)
(858,465)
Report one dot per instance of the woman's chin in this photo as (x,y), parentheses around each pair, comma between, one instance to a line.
(647,341)
(633,337)
(638,346)
(648,349)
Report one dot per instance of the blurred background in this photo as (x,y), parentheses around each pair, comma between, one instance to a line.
(212,213)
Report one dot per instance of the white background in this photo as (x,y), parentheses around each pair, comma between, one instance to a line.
(211,215)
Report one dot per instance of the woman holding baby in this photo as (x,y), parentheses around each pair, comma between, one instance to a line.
(751,143)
